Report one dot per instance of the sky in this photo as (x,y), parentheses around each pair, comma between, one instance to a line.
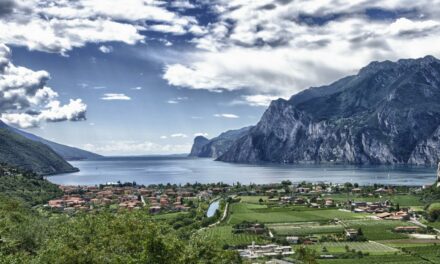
(141,77)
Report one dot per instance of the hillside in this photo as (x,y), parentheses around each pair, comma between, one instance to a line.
(26,154)
(67,152)
(389,113)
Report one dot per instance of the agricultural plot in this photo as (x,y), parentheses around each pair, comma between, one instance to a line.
(379,229)
(431,253)
(340,247)
(222,235)
(383,259)
(261,213)
(304,229)
(401,199)
(253,199)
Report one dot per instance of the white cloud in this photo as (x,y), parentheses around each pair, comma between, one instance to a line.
(279,48)
(227,116)
(26,100)
(256,100)
(179,135)
(137,88)
(163,137)
(177,100)
(59,26)
(106,49)
(201,134)
(115,96)
(130,147)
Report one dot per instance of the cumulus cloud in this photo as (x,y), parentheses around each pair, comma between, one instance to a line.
(130,147)
(106,49)
(115,97)
(26,100)
(281,47)
(227,116)
(59,26)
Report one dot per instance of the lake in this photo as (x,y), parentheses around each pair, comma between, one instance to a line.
(180,170)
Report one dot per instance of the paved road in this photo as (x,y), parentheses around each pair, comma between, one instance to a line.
(416,222)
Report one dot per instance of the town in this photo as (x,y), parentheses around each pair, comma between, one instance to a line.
(269,222)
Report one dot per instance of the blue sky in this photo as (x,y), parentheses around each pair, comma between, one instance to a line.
(143,76)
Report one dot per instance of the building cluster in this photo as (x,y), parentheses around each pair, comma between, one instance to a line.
(271,250)
(85,198)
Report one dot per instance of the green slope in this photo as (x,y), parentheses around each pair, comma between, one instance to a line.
(26,154)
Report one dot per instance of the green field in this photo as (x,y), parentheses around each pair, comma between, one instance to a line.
(431,253)
(401,199)
(262,213)
(383,259)
(378,229)
(340,247)
(222,235)
(304,229)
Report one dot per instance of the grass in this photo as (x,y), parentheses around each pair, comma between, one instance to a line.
(430,253)
(253,199)
(384,259)
(340,247)
(404,200)
(262,213)
(304,229)
(222,235)
(379,229)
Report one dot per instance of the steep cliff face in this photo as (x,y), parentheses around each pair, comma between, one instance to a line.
(217,146)
(197,146)
(389,113)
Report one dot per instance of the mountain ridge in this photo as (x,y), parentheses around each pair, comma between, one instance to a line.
(67,152)
(385,114)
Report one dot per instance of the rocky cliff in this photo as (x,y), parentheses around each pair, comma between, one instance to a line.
(389,113)
(217,146)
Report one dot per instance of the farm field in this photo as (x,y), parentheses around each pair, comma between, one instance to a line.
(222,235)
(401,199)
(340,247)
(262,213)
(430,253)
(378,229)
(304,229)
(382,259)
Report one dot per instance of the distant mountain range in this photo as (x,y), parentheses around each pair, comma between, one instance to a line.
(68,153)
(389,113)
(30,152)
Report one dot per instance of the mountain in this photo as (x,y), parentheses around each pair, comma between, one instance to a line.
(389,113)
(18,151)
(215,147)
(68,153)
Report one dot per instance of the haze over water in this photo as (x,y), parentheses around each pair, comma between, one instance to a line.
(180,170)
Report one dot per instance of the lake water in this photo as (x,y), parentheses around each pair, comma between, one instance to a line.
(180,170)
(212,208)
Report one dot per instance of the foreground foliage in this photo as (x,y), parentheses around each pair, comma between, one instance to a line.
(104,237)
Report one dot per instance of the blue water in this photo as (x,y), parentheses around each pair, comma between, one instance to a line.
(180,170)
(212,208)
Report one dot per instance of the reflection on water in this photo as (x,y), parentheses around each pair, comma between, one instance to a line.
(180,170)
